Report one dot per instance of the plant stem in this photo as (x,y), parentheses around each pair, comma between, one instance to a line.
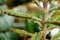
(19,15)
(44,18)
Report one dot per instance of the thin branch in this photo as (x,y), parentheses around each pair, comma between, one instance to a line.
(55,23)
(45,4)
(36,1)
(21,32)
(19,15)
(37,36)
(44,19)
(38,4)
(51,27)
(52,12)
(54,8)
(45,15)
(50,15)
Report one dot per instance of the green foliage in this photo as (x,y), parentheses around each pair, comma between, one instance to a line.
(36,36)
(8,36)
(56,36)
(2,2)
(22,32)
(31,26)
(48,24)
(37,14)
(57,12)
(57,19)
(59,5)
(3,37)
(5,22)
(52,5)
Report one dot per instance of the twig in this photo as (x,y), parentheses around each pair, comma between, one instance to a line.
(51,27)
(55,23)
(19,15)
(44,19)
(22,32)
(52,12)
(50,15)
(54,8)
(37,3)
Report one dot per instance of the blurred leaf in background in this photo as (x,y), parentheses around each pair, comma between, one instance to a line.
(56,36)
(8,36)
(2,2)
(6,23)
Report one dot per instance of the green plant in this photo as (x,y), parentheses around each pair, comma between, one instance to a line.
(56,36)
(46,14)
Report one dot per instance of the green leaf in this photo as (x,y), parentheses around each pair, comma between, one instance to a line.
(3,37)
(5,22)
(29,26)
(11,35)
